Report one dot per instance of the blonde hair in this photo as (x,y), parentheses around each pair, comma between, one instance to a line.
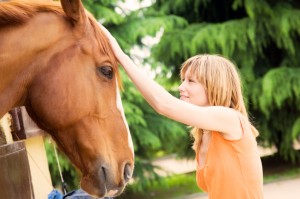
(222,83)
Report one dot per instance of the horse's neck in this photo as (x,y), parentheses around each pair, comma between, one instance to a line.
(10,79)
(11,66)
(20,54)
(12,82)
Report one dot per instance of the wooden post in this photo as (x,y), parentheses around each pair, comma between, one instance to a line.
(15,181)
(25,131)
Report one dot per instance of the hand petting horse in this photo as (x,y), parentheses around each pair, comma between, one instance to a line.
(56,61)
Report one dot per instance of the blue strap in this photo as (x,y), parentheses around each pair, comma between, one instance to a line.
(80,194)
(55,194)
(76,194)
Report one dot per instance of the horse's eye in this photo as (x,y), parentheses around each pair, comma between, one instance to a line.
(107,71)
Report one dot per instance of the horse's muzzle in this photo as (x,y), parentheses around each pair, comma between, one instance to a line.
(125,175)
(106,182)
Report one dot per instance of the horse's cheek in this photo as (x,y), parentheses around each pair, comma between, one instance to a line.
(53,105)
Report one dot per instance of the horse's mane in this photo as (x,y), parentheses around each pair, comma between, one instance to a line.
(21,11)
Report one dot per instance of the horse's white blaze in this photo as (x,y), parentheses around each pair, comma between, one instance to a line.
(120,107)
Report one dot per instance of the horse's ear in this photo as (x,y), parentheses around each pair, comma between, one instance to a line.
(74,9)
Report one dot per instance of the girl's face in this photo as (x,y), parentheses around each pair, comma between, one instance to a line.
(192,91)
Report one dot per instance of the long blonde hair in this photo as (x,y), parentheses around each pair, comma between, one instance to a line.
(222,83)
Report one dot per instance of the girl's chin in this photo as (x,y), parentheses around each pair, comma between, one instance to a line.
(187,100)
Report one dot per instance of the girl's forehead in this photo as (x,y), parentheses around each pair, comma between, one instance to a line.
(189,72)
(194,73)
(185,74)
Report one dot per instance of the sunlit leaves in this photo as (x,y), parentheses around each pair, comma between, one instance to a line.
(280,86)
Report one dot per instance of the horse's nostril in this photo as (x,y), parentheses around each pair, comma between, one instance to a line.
(103,174)
(127,172)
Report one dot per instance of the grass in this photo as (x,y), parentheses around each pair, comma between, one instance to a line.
(169,187)
(288,174)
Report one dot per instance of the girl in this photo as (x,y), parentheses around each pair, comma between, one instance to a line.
(211,101)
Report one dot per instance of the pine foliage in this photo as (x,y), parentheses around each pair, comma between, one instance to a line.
(280,86)
(135,28)
(104,11)
(150,131)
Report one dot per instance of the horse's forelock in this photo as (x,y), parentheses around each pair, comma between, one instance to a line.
(105,47)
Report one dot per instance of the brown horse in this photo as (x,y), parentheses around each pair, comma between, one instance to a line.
(56,61)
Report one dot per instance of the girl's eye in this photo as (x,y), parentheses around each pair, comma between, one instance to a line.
(189,80)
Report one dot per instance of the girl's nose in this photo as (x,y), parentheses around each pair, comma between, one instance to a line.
(181,86)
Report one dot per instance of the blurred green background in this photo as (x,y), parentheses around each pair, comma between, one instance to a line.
(261,37)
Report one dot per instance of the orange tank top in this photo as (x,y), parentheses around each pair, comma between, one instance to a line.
(232,169)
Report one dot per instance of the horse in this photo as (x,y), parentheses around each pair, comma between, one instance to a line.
(57,62)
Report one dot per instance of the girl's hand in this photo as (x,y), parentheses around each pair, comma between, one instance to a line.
(114,44)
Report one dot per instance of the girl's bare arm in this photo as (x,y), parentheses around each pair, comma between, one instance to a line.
(216,118)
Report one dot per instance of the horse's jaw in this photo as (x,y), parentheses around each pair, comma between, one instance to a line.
(97,178)
(87,184)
